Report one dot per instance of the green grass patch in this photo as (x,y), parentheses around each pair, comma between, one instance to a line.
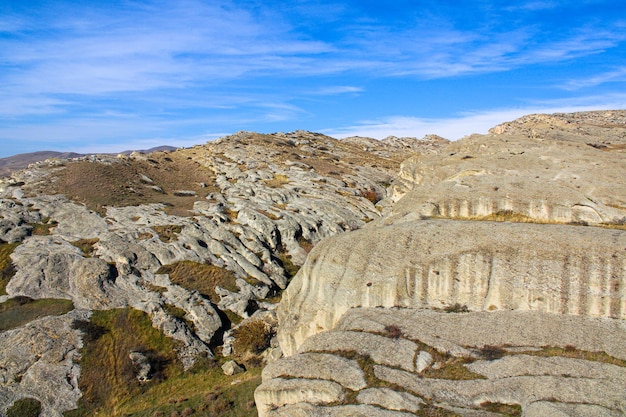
(200,277)
(509,410)
(290,268)
(25,407)
(86,246)
(110,388)
(107,378)
(20,310)
(572,352)
(205,393)
(7,269)
(43,228)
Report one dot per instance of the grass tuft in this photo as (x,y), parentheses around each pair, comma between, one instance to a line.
(86,246)
(7,269)
(200,277)
(25,407)
(168,233)
(18,311)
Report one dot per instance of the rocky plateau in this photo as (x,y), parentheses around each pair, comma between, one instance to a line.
(482,277)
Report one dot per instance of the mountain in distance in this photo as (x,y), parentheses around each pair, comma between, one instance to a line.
(21,161)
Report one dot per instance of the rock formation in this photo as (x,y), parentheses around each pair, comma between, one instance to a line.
(497,228)
(98,230)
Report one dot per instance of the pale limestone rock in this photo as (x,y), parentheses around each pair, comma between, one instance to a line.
(448,332)
(437,263)
(555,409)
(523,390)
(422,361)
(279,392)
(308,410)
(520,365)
(390,399)
(39,360)
(393,352)
(318,366)
(232,368)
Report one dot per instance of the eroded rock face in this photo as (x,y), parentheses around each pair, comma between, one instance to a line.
(511,289)
(439,263)
(250,205)
(477,358)
(39,360)
(551,168)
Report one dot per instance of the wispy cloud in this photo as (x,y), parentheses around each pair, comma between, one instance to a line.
(464,124)
(618,74)
(336,90)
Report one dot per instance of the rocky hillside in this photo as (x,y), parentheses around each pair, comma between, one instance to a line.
(495,285)
(355,277)
(199,242)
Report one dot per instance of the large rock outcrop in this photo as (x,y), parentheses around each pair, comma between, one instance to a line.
(479,364)
(496,229)
(439,263)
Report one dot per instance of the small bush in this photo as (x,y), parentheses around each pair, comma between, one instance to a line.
(456,308)
(371,196)
(252,338)
(491,353)
(26,407)
(392,331)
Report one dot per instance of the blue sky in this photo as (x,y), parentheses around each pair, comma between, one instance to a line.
(90,76)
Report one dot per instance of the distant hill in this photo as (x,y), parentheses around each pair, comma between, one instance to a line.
(21,161)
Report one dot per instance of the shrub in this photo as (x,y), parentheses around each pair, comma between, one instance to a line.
(491,353)
(252,338)
(26,407)
(392,331)
(370,195)
(456,308)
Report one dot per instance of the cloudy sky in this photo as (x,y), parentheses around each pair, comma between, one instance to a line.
(111,75)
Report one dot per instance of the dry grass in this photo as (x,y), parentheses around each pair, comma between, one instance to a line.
(120,184)
(107,373)
(509,410)
(572,352)
(251,339)
(86,246)
(200,277)
(7,269)
(168,233)
(279,181)
(18,311)
(43,228)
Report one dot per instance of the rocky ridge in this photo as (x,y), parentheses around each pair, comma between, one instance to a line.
(498,229)
(249,204)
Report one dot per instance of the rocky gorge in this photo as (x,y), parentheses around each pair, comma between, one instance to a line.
(481,277)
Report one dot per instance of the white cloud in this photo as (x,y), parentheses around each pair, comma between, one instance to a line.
(454,128)
(618,74)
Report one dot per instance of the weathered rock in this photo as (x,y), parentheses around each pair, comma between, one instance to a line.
(393,352)
(279,392)
(308,410)
(142,365)
(439,263)
(232,368)
(39,360)
(318,366)
(390,399)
